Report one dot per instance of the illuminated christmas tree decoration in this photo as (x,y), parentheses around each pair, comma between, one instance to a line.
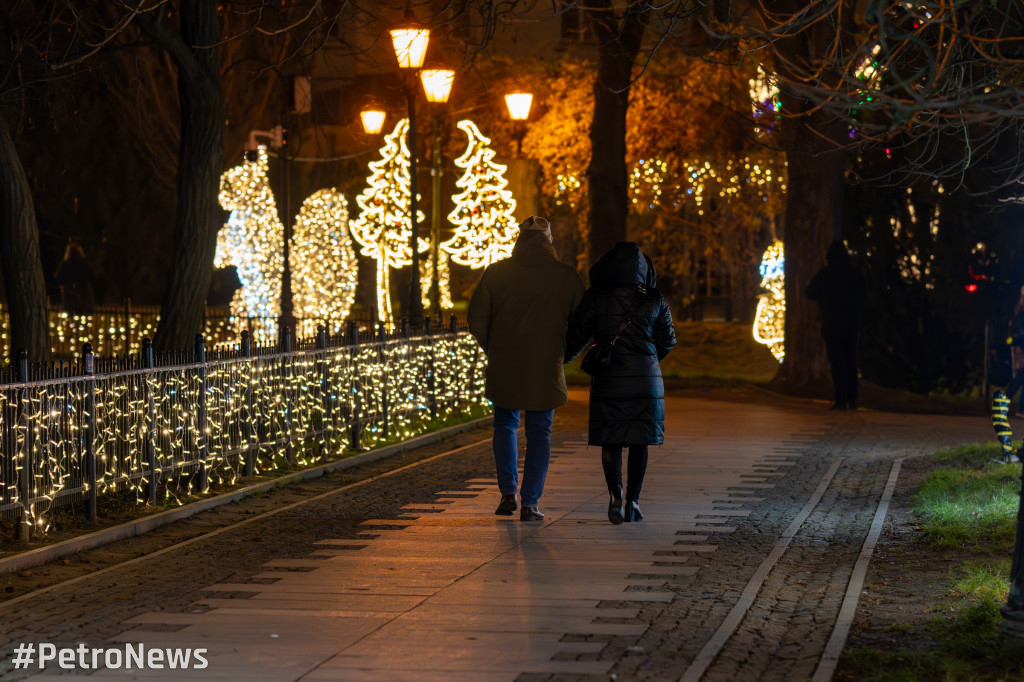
(444,289)
(770,318)
(323,263)
(252,239)
(485,229)
(383,228)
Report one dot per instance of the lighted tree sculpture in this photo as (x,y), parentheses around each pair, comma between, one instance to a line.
(323,263)
(383,228)
(443,281)
(485,230)
(770,319)
(252,239)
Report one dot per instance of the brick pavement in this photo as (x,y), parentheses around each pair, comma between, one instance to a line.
(445,590)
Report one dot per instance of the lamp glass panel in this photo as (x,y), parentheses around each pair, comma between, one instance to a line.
(410,46)
(518,104)
(437,84)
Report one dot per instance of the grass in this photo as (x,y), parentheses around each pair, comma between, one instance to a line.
(967,505)
(971,502)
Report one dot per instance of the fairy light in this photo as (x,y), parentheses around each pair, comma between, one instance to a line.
(569,188)
(383,228)
(485,229)
(770,318)
(308,397)
(252,239)
(764,93)
(323,263)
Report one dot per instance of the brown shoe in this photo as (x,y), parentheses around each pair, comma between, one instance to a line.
(507,505)
(530,514)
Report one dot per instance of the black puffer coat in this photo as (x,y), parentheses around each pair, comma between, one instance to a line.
(627,400)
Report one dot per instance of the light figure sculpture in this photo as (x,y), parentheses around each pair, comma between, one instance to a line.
(770,318)
(384,229)
(323,262)
(252,240)
(485,229)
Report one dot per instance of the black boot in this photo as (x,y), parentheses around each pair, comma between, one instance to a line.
(632,513)
(507,505)
(615,506)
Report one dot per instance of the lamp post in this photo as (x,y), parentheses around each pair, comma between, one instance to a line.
(437,85)
(518,104)
(410,46)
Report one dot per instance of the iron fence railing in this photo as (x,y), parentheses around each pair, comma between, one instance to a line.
(174,430)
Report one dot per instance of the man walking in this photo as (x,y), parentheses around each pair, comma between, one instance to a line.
(519,314)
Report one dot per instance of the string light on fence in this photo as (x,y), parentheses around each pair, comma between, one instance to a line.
(252,406)
(485,229)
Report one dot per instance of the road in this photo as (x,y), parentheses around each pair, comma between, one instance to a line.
(382,574)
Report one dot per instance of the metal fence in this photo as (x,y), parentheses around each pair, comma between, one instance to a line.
(173,430)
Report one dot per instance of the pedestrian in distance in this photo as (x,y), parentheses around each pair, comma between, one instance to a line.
(838,289)
(630,322)
(519,313)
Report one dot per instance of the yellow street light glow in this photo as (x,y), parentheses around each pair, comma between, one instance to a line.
(372,120)
(518,104)
(410,46)
(437,84)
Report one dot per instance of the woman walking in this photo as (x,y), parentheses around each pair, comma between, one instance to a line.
(627,396)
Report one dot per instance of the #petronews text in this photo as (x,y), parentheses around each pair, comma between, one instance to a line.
(134,656)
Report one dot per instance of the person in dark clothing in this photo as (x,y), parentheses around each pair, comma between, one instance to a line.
(627,398)
(839,290)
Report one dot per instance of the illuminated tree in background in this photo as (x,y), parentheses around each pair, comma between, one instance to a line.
(323,263)
(384,229)
(485,230)
(252,240)
(443,281)
(770,319)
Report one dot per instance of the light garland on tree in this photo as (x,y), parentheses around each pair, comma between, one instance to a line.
(323,263)
(770,318)
(252,240)
(485,229)
(383,228)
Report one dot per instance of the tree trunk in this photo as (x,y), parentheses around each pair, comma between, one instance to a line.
(813,210)
(608,181)
(19,256)
(200,162)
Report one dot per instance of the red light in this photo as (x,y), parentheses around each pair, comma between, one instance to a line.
(972,287)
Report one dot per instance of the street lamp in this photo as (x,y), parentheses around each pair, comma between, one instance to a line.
(518,104)
(437,85)
(410,45)
(372,120)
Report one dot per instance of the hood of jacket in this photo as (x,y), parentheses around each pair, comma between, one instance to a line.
(837,256)
(533,248)
(624,263)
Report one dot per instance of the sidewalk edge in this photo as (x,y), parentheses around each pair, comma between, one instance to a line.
(43,555)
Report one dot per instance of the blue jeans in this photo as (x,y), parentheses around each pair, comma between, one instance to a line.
(538,452)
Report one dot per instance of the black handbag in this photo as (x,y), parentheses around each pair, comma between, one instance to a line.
(599,356)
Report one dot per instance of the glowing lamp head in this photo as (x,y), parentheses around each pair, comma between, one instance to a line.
(372,120)
(437,84)
(410,46)
(518,104)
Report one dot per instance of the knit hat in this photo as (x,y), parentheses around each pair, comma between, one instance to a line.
(535,222)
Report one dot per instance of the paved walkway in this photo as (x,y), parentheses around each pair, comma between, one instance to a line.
(452,592)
